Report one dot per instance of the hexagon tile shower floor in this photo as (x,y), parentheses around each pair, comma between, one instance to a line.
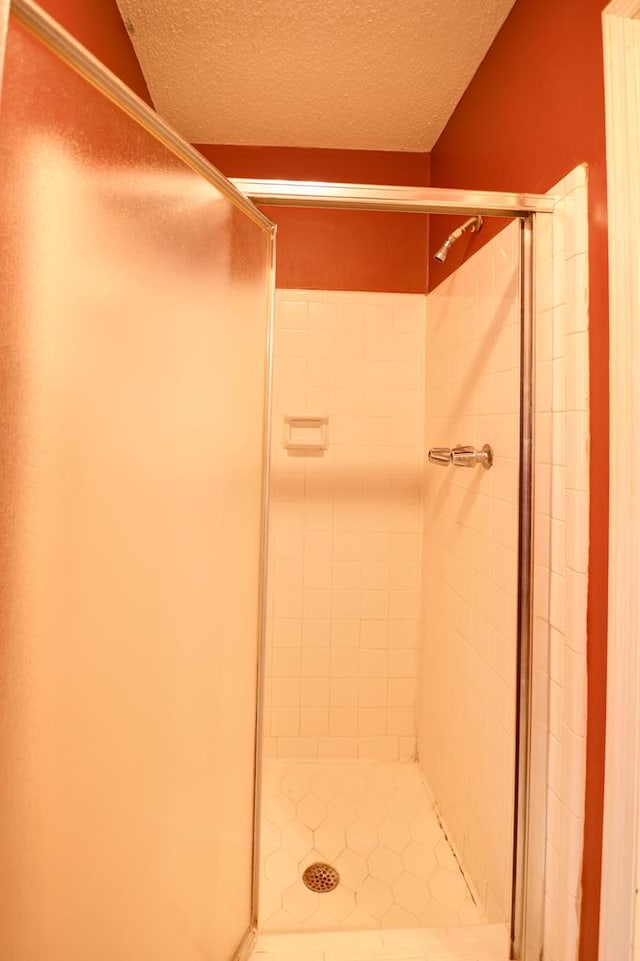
(376,825)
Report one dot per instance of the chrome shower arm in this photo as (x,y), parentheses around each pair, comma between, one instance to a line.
(473,224)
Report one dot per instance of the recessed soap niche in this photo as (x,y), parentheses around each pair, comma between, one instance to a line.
(306,432)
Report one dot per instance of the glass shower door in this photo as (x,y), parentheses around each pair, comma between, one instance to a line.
(471,602)
(135,304)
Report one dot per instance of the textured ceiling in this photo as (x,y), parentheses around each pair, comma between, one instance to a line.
(365,74)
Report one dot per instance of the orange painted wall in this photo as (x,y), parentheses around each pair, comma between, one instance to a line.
(533,111)
(98,26)
(339,250)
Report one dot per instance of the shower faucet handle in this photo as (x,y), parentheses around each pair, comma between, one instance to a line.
(465,456)
(440,455)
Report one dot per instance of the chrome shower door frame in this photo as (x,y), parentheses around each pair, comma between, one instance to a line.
(526,923)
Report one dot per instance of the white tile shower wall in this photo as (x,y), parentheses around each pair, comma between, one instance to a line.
(562,548)
(345,527)
(466,736)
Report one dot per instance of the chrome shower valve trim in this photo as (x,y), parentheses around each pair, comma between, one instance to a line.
(440,456)
(465,456)
(461,456)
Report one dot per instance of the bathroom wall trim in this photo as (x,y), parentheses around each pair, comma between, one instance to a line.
(421,200)
(561,554)
(620,918)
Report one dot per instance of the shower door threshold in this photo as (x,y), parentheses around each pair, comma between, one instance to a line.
(486,942)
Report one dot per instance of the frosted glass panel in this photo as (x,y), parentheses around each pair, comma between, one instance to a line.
(134,315)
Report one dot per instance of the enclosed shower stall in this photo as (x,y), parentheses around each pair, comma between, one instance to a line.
(391,659)
(267,553)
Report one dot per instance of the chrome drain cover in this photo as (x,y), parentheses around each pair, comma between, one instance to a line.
(321,878)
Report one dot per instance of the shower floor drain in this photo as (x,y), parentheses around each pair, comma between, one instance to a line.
(321,878)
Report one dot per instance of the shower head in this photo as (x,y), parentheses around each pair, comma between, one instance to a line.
(474,224)
(441,253)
